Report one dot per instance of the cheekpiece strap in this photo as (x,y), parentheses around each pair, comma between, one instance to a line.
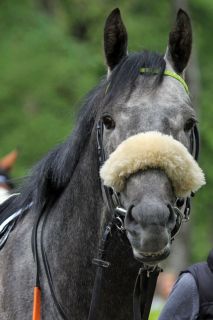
(166,73)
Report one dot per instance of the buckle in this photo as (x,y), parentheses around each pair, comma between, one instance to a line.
(119,224)
(100,263)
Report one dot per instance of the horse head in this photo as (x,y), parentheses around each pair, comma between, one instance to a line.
(148,125)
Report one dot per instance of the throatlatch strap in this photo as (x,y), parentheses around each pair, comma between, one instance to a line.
(143,293)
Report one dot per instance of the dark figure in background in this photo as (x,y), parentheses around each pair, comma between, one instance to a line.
(192,294)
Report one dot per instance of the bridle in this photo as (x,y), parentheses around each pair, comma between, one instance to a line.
(182,206)
(112,199)
(147,276)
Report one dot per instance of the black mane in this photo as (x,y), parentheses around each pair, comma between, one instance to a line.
(53,173)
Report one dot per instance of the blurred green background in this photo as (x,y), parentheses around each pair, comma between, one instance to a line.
(51,55)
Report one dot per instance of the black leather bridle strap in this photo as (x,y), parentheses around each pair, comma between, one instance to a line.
(101,264)
(143,292)
(95,301)
(195,142)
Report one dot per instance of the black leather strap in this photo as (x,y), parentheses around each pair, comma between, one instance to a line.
(101,264)
(143,292)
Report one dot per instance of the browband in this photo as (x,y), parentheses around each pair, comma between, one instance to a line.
(166,73)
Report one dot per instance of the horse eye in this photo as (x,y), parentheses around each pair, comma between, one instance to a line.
(108,122)
(189,124)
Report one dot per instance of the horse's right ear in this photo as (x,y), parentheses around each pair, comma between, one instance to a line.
(115,39)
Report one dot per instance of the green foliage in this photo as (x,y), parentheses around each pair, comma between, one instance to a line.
(202,237)
(40,83)
(49,59)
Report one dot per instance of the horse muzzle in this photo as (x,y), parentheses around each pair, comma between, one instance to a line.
(149,229)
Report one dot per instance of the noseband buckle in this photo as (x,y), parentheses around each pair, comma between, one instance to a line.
(119,223)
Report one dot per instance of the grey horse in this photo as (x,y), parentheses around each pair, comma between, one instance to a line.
(66,187)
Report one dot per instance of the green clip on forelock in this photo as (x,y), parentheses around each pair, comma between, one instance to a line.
(166,73)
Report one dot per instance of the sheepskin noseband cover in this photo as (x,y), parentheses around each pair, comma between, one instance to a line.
(153,150)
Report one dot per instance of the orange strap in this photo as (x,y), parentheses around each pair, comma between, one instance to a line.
(37,304)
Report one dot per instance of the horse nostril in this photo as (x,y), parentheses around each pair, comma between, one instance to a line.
(172,217)
(180,202)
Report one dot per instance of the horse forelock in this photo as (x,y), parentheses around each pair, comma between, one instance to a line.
(123,77)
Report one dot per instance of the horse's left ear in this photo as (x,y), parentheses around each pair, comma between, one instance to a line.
(115,39)
(180,42)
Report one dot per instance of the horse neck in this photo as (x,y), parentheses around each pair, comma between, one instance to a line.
(73,228)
